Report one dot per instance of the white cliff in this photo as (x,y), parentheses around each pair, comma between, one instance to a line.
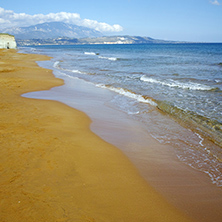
(7,41)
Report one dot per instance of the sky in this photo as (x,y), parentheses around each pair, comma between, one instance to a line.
(179,20)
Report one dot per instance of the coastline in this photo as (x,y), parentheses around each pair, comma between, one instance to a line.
(189,190)
(50,171)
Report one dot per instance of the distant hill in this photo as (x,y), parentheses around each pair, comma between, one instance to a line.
(99,40)
(126,39)
(52,30)
(60,33)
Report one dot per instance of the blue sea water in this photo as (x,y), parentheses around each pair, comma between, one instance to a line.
(152,81)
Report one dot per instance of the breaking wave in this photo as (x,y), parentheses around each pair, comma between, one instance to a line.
(91,53)
(108,58)
(101,57)
(129,94)
(57,66)
(172,83)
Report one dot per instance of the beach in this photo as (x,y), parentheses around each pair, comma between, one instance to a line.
(188,189)
(53,168)
(61,164)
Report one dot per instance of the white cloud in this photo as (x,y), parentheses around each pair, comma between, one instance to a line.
(215,2)
(8,18)
(100,26)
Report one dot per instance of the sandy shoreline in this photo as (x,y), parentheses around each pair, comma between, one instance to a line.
(189,190)
(53,168)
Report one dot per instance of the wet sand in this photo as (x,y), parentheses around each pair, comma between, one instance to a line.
(53,168)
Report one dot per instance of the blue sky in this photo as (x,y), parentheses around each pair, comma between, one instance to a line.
(183,20)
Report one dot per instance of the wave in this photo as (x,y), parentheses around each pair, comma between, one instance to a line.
(128,94)
(57,66)
(217,80)
(172,83)
(69,76)
(91,53)
(75,71)
(101,57)
(108,58)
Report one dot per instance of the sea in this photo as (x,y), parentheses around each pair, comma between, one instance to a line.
(174,90)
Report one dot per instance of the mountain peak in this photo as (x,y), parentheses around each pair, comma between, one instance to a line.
(52,30)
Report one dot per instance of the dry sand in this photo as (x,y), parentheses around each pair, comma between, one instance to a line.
(53,168)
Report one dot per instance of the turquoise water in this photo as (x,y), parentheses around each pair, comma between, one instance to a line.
(153,82)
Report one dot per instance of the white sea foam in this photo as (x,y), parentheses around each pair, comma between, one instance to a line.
(76,71)
(129,94)
(101,57)
(71,77)
(108,58)
(133,113)
(171,83)
(56,64)
(201,139)
(89,53)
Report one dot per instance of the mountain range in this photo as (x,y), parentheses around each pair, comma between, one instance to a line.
(51,30)
(60,33)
